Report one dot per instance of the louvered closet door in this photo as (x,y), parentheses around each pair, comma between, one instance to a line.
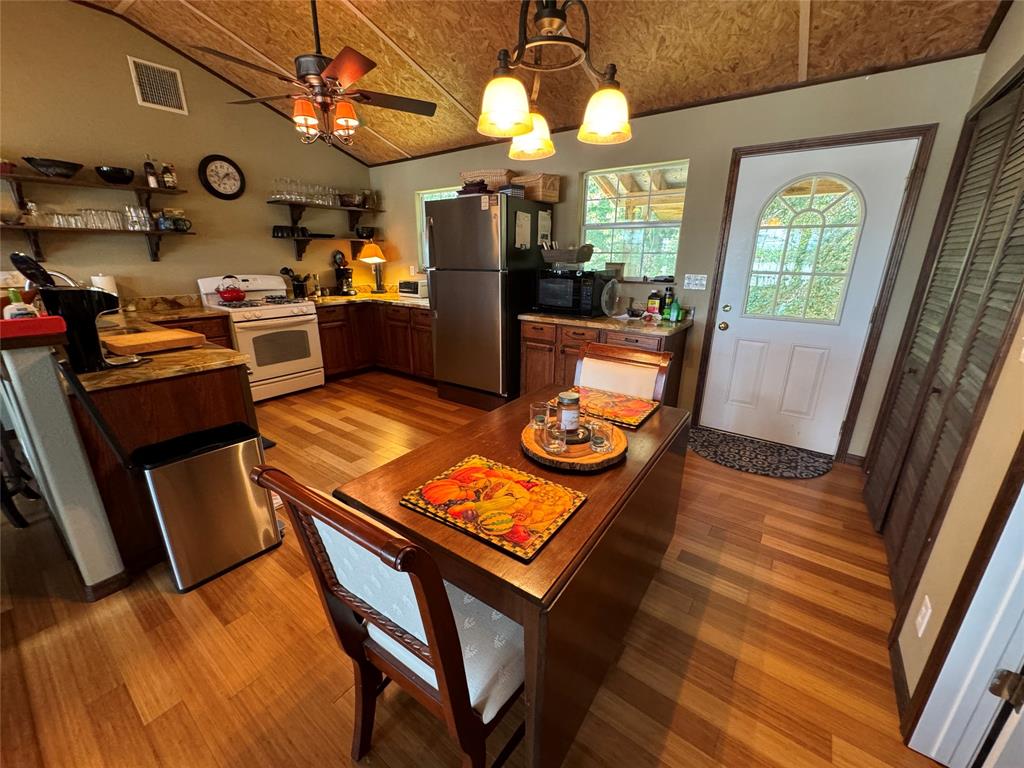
(984,159)
(982,311)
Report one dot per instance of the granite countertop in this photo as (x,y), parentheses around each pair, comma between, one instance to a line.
(659,328)
(400,299)
(173,315)
(158,365)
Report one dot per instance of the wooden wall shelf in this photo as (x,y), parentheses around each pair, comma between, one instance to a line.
(143,194)
(297,209)
(153,237)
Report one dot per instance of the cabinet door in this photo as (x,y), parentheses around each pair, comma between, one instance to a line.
(336,349)
(538,365)
(216,329)
(363,333)
(422,352)
(399,345)
(568,354)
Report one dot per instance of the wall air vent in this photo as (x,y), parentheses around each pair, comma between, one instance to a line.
(158,86)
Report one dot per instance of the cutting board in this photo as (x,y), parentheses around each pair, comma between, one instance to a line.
(152,341)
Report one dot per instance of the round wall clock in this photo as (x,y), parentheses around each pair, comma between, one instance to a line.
(221,177)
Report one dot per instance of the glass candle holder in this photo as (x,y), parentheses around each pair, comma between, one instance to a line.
(554,438)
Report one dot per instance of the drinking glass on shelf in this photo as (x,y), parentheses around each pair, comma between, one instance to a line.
(553,438)
(601,438)
(540,414)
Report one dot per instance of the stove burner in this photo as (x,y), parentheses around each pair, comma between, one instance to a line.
(239,304)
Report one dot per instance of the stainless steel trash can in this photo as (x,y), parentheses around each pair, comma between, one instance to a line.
(212,516)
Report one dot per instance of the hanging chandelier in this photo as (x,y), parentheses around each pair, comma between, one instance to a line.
(508,112)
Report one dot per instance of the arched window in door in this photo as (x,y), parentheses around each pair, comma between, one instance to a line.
(804,250)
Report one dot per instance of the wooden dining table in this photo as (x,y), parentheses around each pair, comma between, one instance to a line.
(577,597)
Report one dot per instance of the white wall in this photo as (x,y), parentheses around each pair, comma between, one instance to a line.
(939,93)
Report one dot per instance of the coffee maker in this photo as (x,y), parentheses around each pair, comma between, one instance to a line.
(80,307)
(342,274)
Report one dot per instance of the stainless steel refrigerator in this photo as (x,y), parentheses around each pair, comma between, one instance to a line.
(482,255)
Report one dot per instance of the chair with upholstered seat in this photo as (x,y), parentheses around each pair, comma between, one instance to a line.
(634,372)
(398,620)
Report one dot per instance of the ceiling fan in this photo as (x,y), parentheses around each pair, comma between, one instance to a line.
(323,107)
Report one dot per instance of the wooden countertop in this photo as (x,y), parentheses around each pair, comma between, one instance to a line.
(659,328)
(496,436)
(158,365)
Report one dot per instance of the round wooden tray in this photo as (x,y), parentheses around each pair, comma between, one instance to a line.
(577,458)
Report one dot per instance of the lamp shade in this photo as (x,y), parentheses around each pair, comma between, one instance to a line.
(535,145)
(372,254)
(345,119)
(505,110)
(304,117)
(606,120)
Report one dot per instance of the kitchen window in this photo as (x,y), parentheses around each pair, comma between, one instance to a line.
(632,215)
(423,197)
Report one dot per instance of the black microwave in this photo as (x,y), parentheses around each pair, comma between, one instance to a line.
(587,294)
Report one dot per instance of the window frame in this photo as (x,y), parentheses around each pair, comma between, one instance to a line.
(421,221)
(862,219)
(634,225)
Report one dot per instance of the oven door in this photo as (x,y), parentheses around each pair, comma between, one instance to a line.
(280,347)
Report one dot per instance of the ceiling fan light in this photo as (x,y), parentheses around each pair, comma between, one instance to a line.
(345,119)
(304,117)
(606,120)
(535,145)
(505,111)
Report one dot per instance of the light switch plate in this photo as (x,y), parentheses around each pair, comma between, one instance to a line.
(695,282)
(923,614)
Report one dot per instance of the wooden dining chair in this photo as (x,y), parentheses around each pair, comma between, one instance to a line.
(398,620)
(635,372)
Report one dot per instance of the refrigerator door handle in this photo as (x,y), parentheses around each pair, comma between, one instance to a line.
(430,242)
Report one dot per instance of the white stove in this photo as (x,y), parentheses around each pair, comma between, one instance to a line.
(279,334)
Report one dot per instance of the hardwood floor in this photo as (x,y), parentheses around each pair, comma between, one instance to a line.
(760,643)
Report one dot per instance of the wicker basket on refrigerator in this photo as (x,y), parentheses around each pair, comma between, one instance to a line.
(542,187)
(493,177)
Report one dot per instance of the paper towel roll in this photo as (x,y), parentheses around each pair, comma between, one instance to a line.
(106,282)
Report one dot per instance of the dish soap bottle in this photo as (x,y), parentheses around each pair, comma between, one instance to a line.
(17,308)
(675,312)
(666,304)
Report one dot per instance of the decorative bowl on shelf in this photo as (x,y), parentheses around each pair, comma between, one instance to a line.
(114,175)
(365,233)
(351,200)
(60,169)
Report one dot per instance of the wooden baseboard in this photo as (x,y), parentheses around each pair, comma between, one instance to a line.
(899,681)
(852,459)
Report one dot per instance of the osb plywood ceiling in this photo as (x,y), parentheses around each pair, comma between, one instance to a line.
(670,53)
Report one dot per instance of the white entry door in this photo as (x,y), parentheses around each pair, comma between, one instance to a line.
(807,247)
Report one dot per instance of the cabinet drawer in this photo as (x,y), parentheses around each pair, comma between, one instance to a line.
(633,340)
(570,334)
(331,314)
(538,331)
(422,318)
(397,314)
(214,327)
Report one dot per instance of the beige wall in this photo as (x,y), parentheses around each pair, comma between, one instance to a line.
(938,93)
(66,92)
(993,448)
(990,456)
(1006,50)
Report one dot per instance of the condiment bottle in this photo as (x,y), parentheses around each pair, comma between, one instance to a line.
(17,308)
(654,302)
(151,177)
(666,302)
(569,411)
(168,176)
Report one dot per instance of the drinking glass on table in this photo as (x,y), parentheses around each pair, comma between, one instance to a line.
(540,414)
(600,436)
(553,438)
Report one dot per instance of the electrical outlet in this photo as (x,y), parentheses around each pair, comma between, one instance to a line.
(923,614)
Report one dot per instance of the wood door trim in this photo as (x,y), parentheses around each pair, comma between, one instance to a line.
(926,136)
(1009,490)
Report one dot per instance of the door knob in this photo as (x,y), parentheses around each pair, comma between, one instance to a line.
(727,307)
(723,326)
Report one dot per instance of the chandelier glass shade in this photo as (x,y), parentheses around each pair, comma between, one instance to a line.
(535,145)
(606,120)
(506,109)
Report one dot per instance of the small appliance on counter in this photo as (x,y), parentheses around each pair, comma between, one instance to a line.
(342,275)
(576,292)
(416,288)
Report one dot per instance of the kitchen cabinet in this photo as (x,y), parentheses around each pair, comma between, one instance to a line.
(363,330)
(550,348)
(398,338)
(362,335)
(421,328)
(217,330)
(336,340)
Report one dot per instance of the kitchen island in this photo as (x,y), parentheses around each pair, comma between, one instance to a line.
(120,410)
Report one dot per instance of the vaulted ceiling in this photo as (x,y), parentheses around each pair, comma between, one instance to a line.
(670,53)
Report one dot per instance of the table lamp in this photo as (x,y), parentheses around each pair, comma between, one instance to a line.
(372,254)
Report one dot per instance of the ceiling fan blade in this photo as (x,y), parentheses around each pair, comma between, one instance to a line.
(389,101)
(262,99)
(348,66)
(244,63)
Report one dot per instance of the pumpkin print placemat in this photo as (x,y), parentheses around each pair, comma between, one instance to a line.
(510,509)
(623,410)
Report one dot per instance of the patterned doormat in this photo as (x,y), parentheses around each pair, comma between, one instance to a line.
(758,457)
